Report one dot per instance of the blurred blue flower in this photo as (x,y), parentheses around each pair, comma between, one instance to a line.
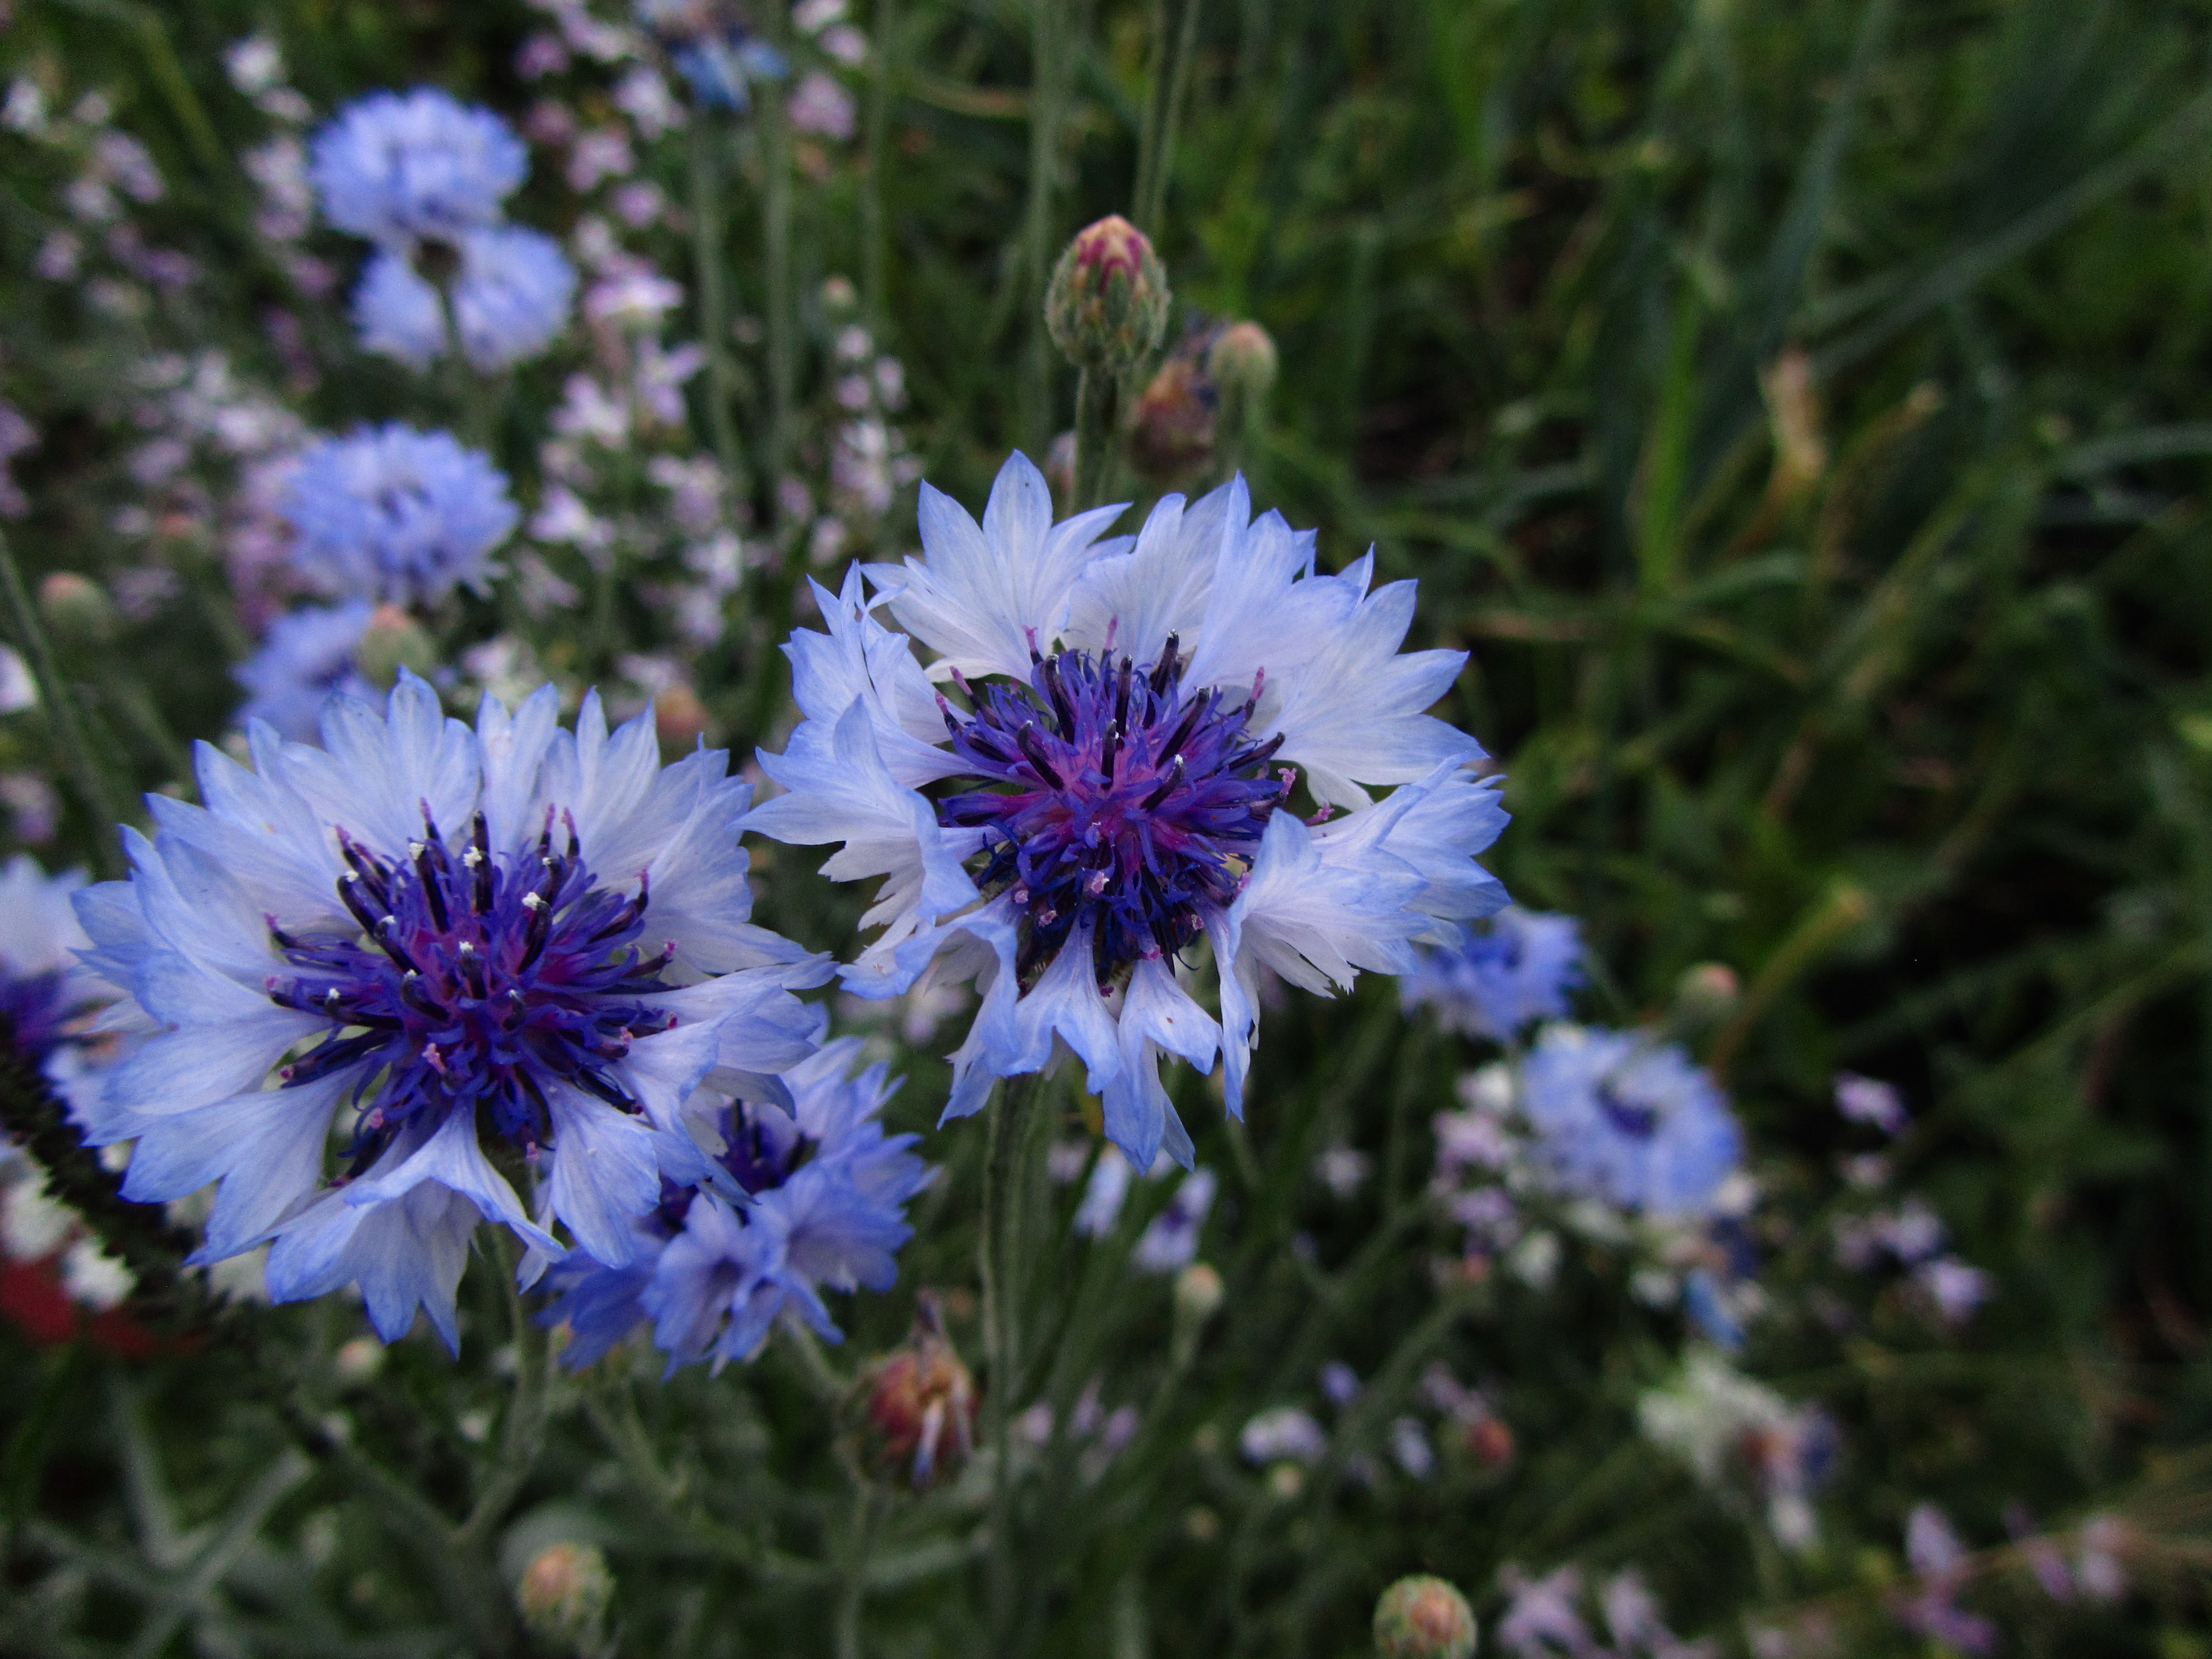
(1169,1242)
(44,991)
(393,514)
(1625,1119)
(712,49)
(1123,704)
(305,658)
(761,1207)
(1520,971)
(512,296)
(398,313)
(398,168)
(516,938)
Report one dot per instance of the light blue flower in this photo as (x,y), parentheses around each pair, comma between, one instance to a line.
(371,963)
(399,167)
(1113,784)
(1620,1117)
(1518,970)
(393,514)
(713,49)
(761,1208)
(511,297)
(306,657)
(44,991)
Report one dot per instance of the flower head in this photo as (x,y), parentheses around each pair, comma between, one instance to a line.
(1520,970)
(713,49)
(761,1206)
(1631,1121)
(1113,783)
(306,657)
(449,946)
(43,991)
(391,513)
(1107,305)
(511,292)
(395,168)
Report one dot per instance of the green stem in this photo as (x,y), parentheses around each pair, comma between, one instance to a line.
(523,1436)
(1097,416)
(86,771)
(1045,121)
(782,319)
(710,271)
(1172,52)
(997,1265)
(853,1586)
(872,233)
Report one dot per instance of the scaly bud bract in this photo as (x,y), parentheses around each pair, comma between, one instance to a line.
(1424,1618)
(1108,304)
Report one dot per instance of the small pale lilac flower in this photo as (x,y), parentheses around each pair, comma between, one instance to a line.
(818,104)
(1410,1448)
(1107,1191)
(2098,1566)
(1169,1242)
(1284,1433)
(306,658)
(1939,1560)
(1633,1121)
(1106,792)
(393,514)
(1519,970)
(515,937)
(1863,1100)
(761,1208)
(1339,1383)
(1539,1618)
(1956,1289)
(398,168)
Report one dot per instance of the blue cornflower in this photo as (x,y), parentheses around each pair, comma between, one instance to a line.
(439,944)
(391,513)
(306,657)
(1520,970)
(1103,794)
(510,297)
(399,168)
(712,49)
(1625,1119)
(760,1208)
(44,992)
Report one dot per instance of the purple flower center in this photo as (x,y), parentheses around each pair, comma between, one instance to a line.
(1114,797)
(762,1148)
(475,983)
(1627,1117)
(34,1013)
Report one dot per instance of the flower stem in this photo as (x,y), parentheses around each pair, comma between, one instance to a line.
(852,1586)
(523,1435)
(1000,1263)
(782,319)
(86,771)
(1045,120)
(1173,48)
(710,270)
(1097,416)
(872,231)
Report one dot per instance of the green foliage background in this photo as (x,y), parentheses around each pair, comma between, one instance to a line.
(1916,737)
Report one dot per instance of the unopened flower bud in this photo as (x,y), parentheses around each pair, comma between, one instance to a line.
(1242,361)
(564,1595)
(678,716)
(1491,1442)
(1171,424)
(1705,995)
(76,608)
(1198,1294)
(1424,1618)
(393,641)
(1108,303)
(357,1361)
(918,1406)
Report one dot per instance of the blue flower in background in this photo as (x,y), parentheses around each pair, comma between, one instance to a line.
(393,514)
(44,992)
(1520,971)
(713,49)
(761,1207)
(1632,1121)
(1133,717)
(306,658)
(510,298)
(398,168)
(437,943)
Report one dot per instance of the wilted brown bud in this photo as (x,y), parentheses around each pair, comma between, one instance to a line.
(1108,303)
(918,1406)
(1171,424)
(1491,1442)
(1424,1618)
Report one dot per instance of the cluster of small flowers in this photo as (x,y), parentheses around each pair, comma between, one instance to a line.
(1466,1428)
(1102,1435)
(1910,1234)
(1942,1568)
(1544,1617)
(105,251)
(868,462)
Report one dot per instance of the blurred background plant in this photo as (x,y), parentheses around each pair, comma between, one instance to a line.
(1797,412)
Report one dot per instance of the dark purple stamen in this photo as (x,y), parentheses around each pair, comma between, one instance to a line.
(473,980)
(1112,796)
(34,1013)
(1637,1121)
